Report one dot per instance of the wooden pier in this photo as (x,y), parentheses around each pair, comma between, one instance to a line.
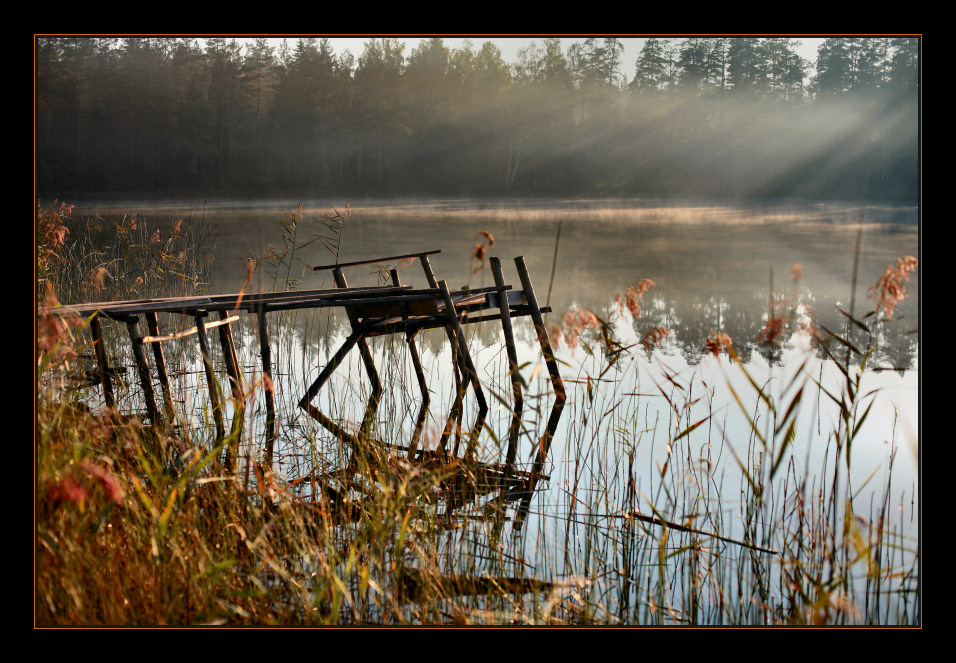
(372,311)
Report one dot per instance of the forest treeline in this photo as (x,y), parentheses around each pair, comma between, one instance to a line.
(724,117)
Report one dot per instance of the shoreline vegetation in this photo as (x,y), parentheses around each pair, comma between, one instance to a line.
(710,514)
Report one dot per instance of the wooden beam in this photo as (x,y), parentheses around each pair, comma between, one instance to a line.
(340,281)
(142,366)
(210,375)
(266,350)
(188,332)
(102,361)
(513,371)
(374,261)
(152,323)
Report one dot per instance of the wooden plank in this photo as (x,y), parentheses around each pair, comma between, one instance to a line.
(374,261)
(127,307)
(395,324)
(325,297)
(190,331)
(396,309)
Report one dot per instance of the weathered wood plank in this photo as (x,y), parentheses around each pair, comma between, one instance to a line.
(374,261)
(188,332)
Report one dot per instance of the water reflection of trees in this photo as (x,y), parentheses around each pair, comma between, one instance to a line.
(691,323)
(895,343)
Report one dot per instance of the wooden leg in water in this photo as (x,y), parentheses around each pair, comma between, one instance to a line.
(214,395)
(266,351)
(429,273)
(334,362)
(456,368)
(306,402)
(417,363)
(412,348)
(452,340)
(516,391)
(453,422)
(417,433)
(102,361)
(560,395)
(231,358)
(152,324)
(539,328)
(370,367)
(368,419)
(472,372)
(340,282)
(142,366)
(235,386)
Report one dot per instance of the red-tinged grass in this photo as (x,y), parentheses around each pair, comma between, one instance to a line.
(890,290)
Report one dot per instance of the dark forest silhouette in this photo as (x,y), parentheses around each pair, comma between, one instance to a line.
(725,117)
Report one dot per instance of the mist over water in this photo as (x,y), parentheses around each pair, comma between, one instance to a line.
(713,264)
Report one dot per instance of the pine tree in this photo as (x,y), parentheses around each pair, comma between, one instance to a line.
(654,66)
(904,63)
(745,65)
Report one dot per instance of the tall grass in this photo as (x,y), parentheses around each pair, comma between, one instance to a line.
(677,495)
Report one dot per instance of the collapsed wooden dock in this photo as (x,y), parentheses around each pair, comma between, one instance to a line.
(395,308)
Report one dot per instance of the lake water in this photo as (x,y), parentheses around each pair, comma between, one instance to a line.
(713,265)
(714,268)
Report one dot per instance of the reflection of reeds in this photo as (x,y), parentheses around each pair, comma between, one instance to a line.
(638,525)
(890,290)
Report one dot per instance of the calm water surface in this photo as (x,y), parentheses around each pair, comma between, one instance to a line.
(714,267)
